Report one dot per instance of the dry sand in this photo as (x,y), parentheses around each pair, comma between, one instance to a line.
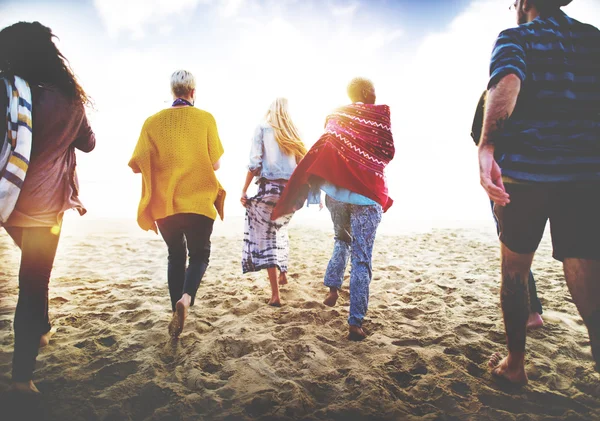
(433,322)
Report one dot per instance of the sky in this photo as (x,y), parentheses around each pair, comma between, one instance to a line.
(428,60)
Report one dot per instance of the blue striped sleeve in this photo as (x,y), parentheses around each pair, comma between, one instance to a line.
(508,57)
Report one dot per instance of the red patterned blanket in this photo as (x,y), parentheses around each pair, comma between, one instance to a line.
(352,153)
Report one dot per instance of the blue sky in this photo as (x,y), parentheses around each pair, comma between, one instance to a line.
(427,58)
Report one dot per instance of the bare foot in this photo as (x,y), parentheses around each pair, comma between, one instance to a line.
(275,302)
(174,328)
(535,321)
(331,298)
(181,310)
(501,368)
(25,387)
(45,338)
(178,320)
(356,333)
(283,278)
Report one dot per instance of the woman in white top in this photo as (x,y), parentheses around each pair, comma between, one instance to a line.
(276,150)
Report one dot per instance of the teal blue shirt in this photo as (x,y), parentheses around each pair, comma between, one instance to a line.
(345,195)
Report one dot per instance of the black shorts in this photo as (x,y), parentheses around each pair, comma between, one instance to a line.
(573,211)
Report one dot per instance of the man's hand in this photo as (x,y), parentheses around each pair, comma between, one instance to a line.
(501,102)
(491,177)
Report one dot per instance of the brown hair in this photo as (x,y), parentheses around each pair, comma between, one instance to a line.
(27,50)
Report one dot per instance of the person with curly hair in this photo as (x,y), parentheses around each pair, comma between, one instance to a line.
(48,182)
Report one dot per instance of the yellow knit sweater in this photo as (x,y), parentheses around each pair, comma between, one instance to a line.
(175,154)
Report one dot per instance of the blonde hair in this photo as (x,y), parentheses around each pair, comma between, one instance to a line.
(182,83)
(286,134)
(357,87)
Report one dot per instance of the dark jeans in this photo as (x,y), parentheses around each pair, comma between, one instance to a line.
(185,232)
(38,248)
(535,306)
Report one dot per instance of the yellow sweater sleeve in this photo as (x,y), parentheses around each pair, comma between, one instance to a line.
(215,148)
(141,163)
(140,153)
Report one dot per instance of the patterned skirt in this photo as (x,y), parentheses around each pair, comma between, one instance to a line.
(266,242)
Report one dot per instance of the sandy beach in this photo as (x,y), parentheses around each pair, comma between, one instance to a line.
(433,322)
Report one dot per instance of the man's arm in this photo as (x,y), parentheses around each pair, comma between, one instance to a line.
(508,69)
(501,102)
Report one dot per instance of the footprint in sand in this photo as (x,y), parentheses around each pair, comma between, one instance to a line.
(246,308)
(107,341)
(311,305)
(461,388)
(132,305)
(115,373)
(289,333)
(148,399)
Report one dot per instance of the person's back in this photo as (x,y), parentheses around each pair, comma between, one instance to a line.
(348,163)
(40,88)
(275,163)
(177,153)
(275,149)
(51,185)
(186,146)
(554,132)
(539,161)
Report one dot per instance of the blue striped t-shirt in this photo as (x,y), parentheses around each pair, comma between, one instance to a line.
(554,132)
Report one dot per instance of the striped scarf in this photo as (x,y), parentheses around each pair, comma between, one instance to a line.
(15,148)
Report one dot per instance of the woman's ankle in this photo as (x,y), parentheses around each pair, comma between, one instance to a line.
(186,300)
(25,387)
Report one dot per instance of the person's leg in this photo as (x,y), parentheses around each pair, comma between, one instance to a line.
(364,221)
(535,311)
(16,233)
(261,236)
(275,300)
(334,275)
(198,230)
(515,310)
(583,280)
(521,224)
(283,247)
(283,280)
(173,236)
(535,306)
(576,240)
(38,250)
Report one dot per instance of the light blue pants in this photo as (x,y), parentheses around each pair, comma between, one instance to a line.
(355,227)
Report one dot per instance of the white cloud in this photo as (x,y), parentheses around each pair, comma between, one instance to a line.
(230,8)
(134,15)
(344,10)
(381,38)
